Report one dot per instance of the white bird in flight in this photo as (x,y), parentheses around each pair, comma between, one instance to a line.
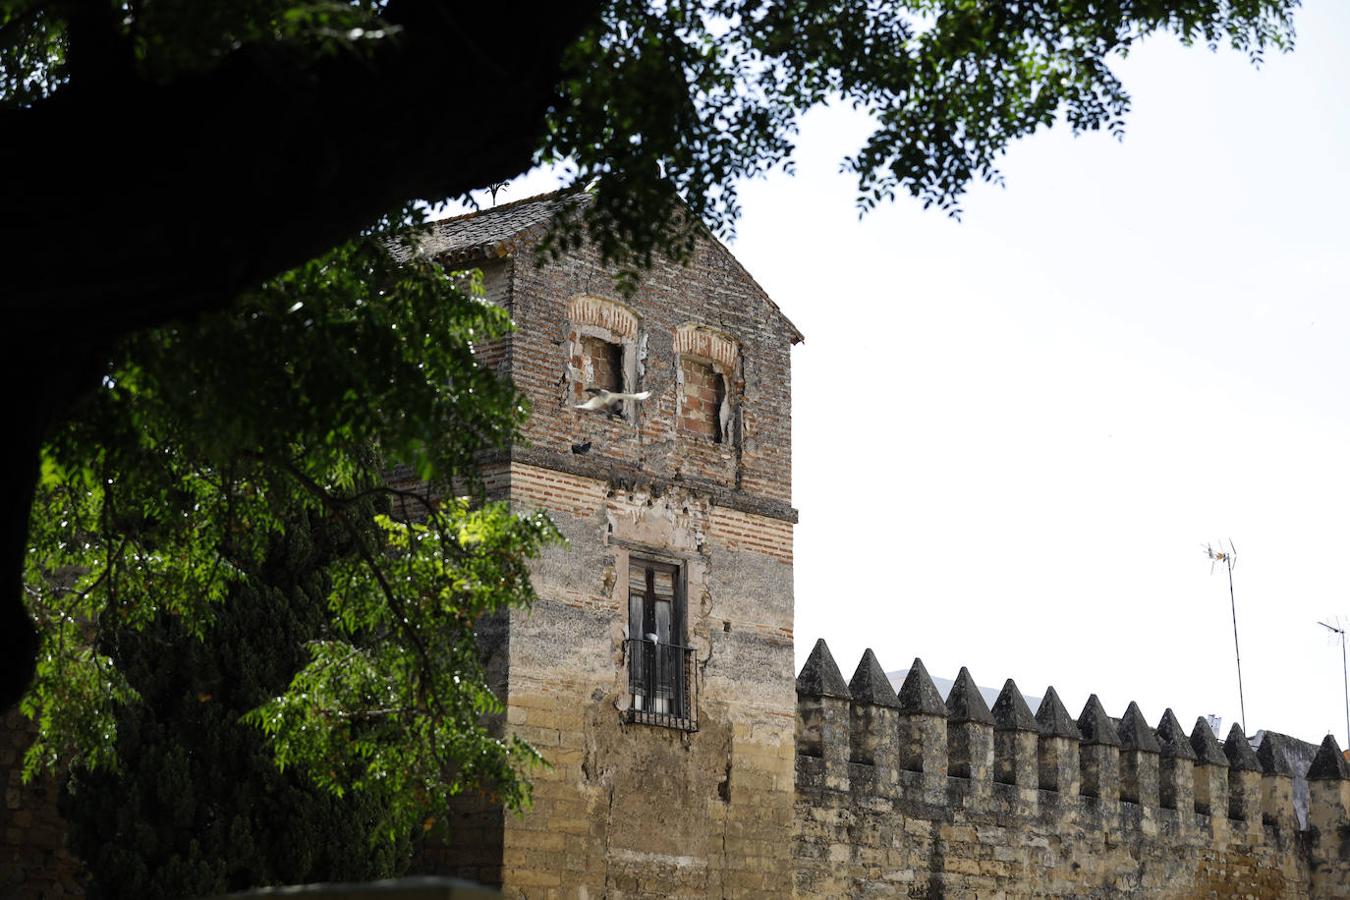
(608,400)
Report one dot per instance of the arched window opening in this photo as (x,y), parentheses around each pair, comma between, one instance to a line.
(709,382)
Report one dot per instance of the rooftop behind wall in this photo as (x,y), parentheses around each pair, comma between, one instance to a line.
(905,794)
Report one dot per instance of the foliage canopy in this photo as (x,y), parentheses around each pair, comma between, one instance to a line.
(196,806)
(696,95)
(169,487)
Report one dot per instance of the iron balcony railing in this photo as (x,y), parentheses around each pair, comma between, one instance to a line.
(660,682)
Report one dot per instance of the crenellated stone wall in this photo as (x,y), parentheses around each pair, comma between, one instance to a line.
(905,795)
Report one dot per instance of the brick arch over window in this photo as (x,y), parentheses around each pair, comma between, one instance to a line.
(601,347)
(709,381)
(607,315)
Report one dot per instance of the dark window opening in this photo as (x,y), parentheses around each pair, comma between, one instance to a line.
(601,364)
(659,663)
(705,409)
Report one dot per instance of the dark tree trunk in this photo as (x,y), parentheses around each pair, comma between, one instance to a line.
(129,204)
(42,373)
(18,640)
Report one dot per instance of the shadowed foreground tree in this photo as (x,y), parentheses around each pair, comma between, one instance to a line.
(161,158)
(196,806)
(181,486)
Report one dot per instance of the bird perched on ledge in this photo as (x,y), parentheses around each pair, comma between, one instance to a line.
(609,401)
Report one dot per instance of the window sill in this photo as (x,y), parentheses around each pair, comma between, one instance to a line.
(661,720)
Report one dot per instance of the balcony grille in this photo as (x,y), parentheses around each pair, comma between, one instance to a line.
(660,680)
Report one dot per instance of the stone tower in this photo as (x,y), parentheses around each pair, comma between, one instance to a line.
(655,673)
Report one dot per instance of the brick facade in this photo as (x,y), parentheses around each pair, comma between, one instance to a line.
(711,311)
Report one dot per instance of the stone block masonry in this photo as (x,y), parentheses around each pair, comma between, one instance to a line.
(34,861)
(627,808)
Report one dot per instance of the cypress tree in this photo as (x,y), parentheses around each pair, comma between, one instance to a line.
(198,806)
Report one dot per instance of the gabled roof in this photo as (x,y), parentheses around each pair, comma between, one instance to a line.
(490,233)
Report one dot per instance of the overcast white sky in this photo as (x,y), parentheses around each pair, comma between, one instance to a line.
(1013,435)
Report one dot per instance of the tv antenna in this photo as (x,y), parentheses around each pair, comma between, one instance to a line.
(1339,629)
(1228,559)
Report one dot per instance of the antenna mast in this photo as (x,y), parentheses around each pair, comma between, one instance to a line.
(1229,559)
(1345,676)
